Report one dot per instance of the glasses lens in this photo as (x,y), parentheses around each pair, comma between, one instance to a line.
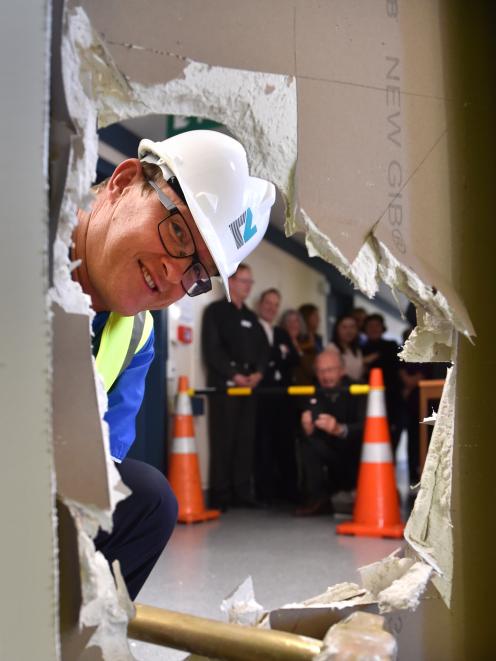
(196,280)
(176,236)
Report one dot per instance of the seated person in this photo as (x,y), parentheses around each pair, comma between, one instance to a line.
(332,427)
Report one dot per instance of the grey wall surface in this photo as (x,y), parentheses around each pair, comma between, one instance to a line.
(28,608)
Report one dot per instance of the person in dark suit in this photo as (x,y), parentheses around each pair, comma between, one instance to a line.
(235,351)
(331,438)
(275,463)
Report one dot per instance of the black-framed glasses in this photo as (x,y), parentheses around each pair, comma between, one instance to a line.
(177,241)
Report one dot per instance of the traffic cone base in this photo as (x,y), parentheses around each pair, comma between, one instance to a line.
(364,530)
(184,470)
(376,512)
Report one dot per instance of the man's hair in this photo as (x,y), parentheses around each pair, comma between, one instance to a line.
(306,310)
(271,290)
(375,317)
(290,313)
(355,345)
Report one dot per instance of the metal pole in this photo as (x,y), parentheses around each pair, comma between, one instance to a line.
(219,640)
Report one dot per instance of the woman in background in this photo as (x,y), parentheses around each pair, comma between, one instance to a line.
(293,324)
(311,342)
(346,340)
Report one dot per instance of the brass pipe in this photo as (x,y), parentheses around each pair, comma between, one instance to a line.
(219,640)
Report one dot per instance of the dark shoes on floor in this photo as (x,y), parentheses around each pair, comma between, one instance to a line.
(316,508)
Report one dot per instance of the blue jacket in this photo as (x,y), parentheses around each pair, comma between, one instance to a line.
(126,394)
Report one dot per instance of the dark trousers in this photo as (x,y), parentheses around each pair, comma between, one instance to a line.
(231,438)
(143,523)
(276,474)
(328,466)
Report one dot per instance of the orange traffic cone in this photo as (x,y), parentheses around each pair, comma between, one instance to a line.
(377,511)
(184,470)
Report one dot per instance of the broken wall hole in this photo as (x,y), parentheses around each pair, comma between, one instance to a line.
(109,78)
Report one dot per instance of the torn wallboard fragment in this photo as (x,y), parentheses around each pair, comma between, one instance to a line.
(371,185)
(394,583)
(88,483)
(429,530)
(241,606)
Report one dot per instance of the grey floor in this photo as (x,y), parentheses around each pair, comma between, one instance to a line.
(289,560)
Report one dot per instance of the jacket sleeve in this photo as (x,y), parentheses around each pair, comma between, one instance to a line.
(356,418)
(214,354)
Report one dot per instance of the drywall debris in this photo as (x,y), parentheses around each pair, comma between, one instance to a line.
(394,583)
(361,636)
(405,591)
(434,337)
(429,528)
(258,108)
(106,608)
(103,607)
(378,576)
(241,607)
(430,420)
(339,596)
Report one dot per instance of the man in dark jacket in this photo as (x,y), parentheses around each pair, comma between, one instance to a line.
(275,465)
(235,350)
(384,354)
(332,428)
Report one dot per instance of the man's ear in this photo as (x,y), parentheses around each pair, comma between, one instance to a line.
(124,175)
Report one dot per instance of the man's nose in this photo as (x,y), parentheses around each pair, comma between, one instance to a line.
(174,268)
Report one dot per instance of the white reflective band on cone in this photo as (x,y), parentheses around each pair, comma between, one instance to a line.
(376,405)
(183,404)
(184,445)
(377,453)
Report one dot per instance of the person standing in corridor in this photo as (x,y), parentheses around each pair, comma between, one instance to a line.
(235,351)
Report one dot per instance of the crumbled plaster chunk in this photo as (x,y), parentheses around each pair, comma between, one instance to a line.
(241,607)
(360,637)
(379,575)
(405,592)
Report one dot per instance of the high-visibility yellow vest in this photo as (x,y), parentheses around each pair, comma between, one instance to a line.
(122,338)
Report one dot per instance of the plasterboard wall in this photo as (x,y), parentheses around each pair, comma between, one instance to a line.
(28,608)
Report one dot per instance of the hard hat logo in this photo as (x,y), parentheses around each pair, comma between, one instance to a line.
(250,230)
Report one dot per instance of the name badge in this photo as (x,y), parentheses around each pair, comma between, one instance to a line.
(245,323)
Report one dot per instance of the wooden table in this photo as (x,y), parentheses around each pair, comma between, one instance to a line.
(429,389)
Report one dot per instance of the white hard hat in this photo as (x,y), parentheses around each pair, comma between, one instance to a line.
(230,208)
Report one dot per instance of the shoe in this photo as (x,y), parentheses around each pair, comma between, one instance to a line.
(317,508)
(343,502)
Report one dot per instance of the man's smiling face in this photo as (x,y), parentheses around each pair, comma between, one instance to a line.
(127,267)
